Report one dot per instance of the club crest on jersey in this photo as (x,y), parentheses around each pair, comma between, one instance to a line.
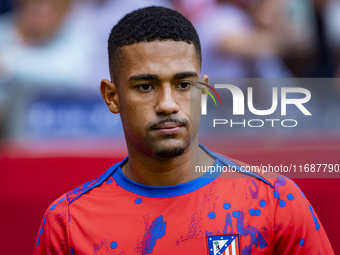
(228,244)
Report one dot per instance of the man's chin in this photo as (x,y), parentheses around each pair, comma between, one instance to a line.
(168,153)
(167,148)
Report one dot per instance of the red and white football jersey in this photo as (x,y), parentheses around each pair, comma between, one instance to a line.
(214,214)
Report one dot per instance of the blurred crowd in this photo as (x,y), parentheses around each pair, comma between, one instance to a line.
(58,49)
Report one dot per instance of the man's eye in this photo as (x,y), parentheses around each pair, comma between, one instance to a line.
(184,85)
(145,87)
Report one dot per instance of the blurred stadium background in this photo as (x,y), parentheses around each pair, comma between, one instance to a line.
(56,132)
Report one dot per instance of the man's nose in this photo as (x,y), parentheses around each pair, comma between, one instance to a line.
(167,103)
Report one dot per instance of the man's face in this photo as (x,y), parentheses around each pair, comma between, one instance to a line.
(154,89)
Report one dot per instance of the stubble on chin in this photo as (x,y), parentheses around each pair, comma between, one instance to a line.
(163,151)
(169,153)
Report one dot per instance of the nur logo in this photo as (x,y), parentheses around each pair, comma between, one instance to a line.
(228,244)
(210,87)
(239,99)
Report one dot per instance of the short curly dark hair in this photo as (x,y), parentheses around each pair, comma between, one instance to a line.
(150,24)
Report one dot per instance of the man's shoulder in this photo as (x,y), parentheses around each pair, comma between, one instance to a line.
(61,203)
(280,185)
(238,169)
(276,179)
(78,192)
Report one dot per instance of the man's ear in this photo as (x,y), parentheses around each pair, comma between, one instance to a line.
(110,95)
(205,80)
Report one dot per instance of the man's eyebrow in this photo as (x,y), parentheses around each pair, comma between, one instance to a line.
(182,75)
(185,75)
(139,77)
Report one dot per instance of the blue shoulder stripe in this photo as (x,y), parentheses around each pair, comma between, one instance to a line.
(232,164)
(101,179)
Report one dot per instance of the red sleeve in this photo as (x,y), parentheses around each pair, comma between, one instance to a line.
(298,229)
(52,237)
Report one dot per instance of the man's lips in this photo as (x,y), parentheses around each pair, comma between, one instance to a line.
(168,128)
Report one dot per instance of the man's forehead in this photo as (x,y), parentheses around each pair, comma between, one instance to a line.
(165,58)
(156,45)
(158,53)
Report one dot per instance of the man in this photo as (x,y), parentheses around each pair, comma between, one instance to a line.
(151,203)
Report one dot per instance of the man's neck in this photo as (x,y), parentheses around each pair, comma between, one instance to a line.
(152,171)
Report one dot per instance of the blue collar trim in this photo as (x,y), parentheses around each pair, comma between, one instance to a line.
(167,191)
(164,191)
